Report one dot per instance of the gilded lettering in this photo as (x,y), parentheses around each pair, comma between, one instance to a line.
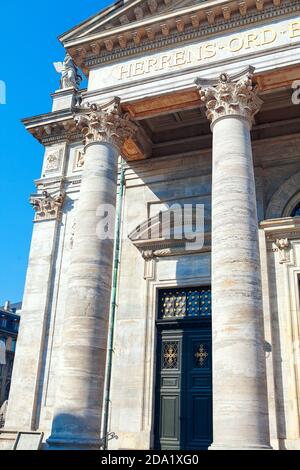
(164,62)
(251,40)
(200,54)
(179,58)
(294,29)
(194,53)
(124,72)
(209,51)
(236,44)
(139,68)
(189,57)
(269,36)
(151,65)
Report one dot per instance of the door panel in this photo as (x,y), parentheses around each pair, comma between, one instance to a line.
(198,388)
(169,417)
(169,385)
(183,414)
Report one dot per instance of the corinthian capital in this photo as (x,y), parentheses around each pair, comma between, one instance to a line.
(230,97)
(46,206)
(105,123)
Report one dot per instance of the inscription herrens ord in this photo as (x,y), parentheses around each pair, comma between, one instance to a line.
(255,39)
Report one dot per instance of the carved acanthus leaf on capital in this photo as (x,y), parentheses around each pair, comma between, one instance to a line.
(47,207)
(105,123)
(230,97)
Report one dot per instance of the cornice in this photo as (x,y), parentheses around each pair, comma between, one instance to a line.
(66,126)
(286,227)
(47,118)
(165,251)
(207,11)
(161,248)
(93,50)
(54,127)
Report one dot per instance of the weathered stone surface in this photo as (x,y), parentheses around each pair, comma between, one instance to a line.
(80,387)
(240,411)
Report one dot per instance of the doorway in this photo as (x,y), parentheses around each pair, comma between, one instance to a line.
(183,393)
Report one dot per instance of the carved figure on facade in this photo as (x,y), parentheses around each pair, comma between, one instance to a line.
(148,254)
(230,97)
(283,245)
(105,123)
(79,159)
(70,77)
(47,207)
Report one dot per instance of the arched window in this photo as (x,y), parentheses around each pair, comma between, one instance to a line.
(296,211)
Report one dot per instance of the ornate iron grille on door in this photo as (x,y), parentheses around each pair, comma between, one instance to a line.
(170,355)
(185,303)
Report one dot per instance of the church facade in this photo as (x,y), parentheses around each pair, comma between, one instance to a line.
(162,301)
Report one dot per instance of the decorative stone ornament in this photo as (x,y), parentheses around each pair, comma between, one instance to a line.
(229,97)
(79,159)
(53,160)
(283,245)
(105,123)
(70,77)
(47,207)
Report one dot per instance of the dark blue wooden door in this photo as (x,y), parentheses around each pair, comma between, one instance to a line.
(183,401)
(197,389)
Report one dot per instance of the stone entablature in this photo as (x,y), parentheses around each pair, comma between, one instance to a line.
(287,228)
(54,127)
(280,233)
(211,51)
(76,123)
(147,24)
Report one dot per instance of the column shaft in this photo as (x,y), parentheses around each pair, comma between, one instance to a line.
(79,397)
(240,416)
(80,389)
(240,410)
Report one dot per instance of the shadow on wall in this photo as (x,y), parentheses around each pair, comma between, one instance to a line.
(68,207)
(277,364)
(69,433)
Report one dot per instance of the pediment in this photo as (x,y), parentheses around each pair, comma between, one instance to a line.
(132,27)
(124,13)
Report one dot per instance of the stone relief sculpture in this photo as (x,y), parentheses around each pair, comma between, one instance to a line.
(283,245)
(70,76)
(53,160)
(79,159)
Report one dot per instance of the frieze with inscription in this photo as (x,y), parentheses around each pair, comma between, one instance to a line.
(254,40)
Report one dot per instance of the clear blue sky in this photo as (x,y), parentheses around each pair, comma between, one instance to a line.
(29,46)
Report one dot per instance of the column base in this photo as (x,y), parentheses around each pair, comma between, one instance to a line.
(73,443)
(239,446)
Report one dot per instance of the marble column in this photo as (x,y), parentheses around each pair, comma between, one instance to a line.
(240,412)
(79,397)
